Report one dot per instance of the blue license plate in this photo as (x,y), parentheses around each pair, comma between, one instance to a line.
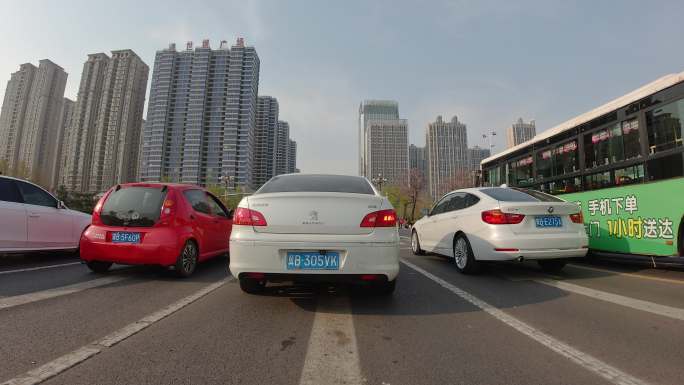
(125,237)
(548,221)
(312,260)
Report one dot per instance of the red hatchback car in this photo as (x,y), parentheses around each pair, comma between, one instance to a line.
(171,225)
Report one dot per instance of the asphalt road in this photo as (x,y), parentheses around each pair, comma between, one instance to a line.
(512,324)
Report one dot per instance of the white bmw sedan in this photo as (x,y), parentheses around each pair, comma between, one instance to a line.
(32,219)
(326,228)
(502,224)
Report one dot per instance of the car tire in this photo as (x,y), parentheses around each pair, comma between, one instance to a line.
(552,265)
(187,260)
(99,267)
(464,259)
(252,286)
(415,244)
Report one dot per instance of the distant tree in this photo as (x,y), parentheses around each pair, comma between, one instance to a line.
(416,186)
(461,178)
(4,167)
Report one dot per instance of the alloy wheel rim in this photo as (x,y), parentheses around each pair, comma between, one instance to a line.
(461,253)
(414,242)
(188,257)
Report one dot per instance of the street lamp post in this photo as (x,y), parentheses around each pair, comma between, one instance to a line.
(379,180)
(490,136)
(227,179)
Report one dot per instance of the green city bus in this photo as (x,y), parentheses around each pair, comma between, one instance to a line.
(621,162)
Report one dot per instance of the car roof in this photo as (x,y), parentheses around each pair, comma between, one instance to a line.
(176,186)
(25,181)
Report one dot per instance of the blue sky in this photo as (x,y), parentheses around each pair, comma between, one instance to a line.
(488,62)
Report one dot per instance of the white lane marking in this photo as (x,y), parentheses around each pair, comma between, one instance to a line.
(56,366)
(39,268)
(642,276)
(68,360)
(332,356)
(56,292)
(638,304)
(585,360)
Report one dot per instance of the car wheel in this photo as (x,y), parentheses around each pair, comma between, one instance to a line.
(187,260)
(99,266)
(415,244)
(463,256)
(552,265)
(252,286)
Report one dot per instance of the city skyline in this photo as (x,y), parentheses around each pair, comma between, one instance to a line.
(520,73)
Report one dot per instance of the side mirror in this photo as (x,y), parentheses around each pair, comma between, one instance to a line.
(230,214)
(61,205)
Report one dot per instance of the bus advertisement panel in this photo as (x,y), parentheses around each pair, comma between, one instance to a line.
(636,219)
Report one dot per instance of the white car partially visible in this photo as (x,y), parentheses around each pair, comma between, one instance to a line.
(324,228)
(502,224)
(32,219)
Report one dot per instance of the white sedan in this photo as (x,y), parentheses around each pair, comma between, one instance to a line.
(328,228)
(502,224)
(31,219)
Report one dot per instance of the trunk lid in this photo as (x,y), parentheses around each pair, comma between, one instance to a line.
(314,213)
(532,210)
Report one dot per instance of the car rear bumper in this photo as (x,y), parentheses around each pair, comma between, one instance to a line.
(269,258)
(155,249)
(502,245)
(533,254)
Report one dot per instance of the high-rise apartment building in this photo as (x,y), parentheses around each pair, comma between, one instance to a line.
(370,110)
(117,133)
(418,159)
(104,138)
(476,155)
(291,156)
(281,148)
(447,155)
(65,121)
(265,134)
(520,132)
(12,116)
(387,155)
(30,129)
(202,114)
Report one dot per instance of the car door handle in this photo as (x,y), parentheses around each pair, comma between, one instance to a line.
(192,217)
(34,215)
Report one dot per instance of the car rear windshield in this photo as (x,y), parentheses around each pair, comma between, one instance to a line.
(519,195)
(133,206)
(317,183)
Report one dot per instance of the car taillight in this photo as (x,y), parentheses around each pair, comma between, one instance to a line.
(382,218)
(247,217)
(497,217)
(577,218)
(98,209)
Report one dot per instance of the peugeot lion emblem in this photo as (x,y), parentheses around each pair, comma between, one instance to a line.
(550,210)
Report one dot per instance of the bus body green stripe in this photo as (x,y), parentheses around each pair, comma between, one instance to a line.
(635,219)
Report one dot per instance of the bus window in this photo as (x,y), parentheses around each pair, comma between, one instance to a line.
(559,160)
(664,126)
(630,136)
(520,171)
(604,146)
(665,167)
(597,181)
(563,186)
(629,175)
